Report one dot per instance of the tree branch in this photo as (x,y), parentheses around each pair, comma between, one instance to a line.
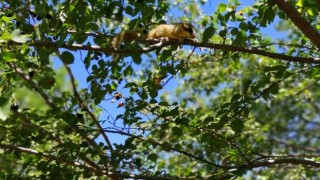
(47,99)
(295,146)
(264,162)
(99,172)
(92,116)
(191,155)
(270,162)
(28,124)
(51,157)
(302,24)
(33,84)
(173,42)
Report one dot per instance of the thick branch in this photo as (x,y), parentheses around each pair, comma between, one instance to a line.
(270,162)
(99,172)
(255,51)
(318,4)
(172,42)
(188,42)
(306,28)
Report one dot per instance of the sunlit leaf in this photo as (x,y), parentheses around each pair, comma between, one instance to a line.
(67,57)
(18,37)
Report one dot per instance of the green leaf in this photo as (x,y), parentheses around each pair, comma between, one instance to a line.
(235,97)
(119,15)
(153,92)
(208,120)
(8,56)
(109,10)
(183,121)
(153,157)
(270,15)
(208,33)
(246,84)
(143,95)
(4,112)
(240,38)
(137,58)
(166,55)
(94,26)
(222,8)
(17,37)
(67,57)
(275,89)
(79,38)
(129,10)
(177,131)
(223,33)
(120,116)
(137,162)
(3,101)
(223,120)
(237,125)
(243,26)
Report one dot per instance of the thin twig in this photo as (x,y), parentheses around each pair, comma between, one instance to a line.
(90,113)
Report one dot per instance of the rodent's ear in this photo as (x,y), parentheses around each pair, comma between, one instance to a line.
(188,27)
(184,26)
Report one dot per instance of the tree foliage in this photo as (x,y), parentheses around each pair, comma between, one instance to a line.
(239,101)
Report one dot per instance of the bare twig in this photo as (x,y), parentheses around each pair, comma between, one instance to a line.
(90,113)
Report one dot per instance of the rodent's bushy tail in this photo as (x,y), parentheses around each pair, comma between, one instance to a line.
(123,36)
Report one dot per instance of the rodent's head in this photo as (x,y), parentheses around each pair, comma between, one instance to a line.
(191,32)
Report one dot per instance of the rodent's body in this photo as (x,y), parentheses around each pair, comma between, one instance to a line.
(179,31)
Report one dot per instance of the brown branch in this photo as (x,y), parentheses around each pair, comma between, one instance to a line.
(47,98)
(295,146)
(264,162)
(192,43)
(51,157)
(318,4)
(306,28)
(270,162)
(33,84)
(191,155)
(27,123)
(92,116)
(255,51)
(97,171)
(173,42)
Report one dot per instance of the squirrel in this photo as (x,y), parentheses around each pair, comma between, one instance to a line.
(179,31)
